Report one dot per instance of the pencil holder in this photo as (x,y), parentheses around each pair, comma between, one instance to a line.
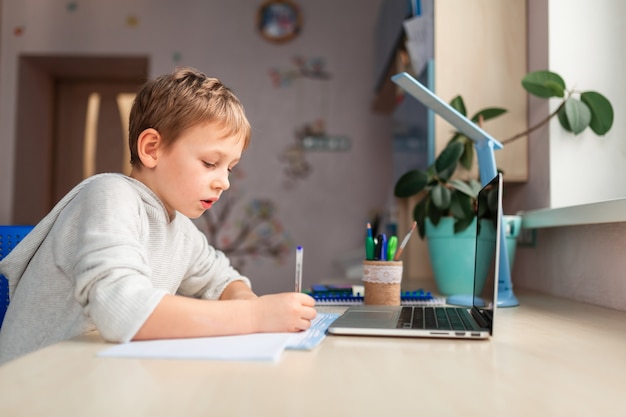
(382,281)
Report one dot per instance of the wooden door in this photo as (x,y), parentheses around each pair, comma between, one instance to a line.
(91,134)
(57,96)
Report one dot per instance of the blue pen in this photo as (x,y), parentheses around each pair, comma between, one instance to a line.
(383,253)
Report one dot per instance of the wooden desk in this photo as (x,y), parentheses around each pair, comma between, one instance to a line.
(549,357)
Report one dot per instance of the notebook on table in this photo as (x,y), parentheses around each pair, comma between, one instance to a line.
(473,321)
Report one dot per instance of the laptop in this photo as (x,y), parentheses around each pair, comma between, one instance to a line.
(472,321)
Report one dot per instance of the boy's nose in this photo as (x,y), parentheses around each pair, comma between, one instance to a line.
(222,182)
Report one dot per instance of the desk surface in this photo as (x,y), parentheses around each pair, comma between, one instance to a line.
(548,357)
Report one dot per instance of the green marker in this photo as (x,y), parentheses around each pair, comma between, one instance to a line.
(369,244)
(392,245)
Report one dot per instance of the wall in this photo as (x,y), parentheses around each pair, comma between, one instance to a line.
(584,263)
(325,212)
(480,54)
(584,42)
(535,193)
(587,42)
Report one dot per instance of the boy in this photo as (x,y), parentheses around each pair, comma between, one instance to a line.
(120,254)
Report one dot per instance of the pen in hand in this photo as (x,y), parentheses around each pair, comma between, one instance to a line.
(299,251)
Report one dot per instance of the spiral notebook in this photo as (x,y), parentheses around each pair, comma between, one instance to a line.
(349,295)
(473,320)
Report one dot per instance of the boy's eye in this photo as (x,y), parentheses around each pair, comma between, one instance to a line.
(208,164)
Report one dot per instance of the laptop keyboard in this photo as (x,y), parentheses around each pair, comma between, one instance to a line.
(442,318)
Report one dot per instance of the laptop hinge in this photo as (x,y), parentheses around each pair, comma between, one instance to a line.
(480,319)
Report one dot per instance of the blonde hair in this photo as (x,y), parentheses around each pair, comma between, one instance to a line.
(173,103)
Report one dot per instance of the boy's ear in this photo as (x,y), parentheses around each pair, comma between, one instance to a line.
(147,146)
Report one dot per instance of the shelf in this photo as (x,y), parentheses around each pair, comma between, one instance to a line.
(610,211)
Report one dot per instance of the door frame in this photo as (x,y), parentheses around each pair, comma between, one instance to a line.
(35,150)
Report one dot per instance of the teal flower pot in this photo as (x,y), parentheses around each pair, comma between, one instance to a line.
(452,256)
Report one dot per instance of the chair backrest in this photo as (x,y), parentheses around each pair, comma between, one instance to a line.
(10,236)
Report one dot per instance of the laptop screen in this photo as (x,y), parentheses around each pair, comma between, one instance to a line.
(487,250)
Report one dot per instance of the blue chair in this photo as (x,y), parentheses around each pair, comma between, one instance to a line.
(10,236)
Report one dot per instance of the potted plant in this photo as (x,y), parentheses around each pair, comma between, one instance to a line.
(444,212)
(445,207)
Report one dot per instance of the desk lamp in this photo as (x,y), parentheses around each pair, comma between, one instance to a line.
(485,146)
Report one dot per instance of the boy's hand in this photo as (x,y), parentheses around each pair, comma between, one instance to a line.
(285,312)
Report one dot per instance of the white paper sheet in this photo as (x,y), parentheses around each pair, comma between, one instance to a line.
(250,347)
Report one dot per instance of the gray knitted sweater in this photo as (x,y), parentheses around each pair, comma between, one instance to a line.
(102,259)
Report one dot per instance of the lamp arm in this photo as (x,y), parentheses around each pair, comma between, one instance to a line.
(487,167)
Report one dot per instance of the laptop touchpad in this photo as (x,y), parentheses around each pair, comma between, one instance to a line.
(370,318)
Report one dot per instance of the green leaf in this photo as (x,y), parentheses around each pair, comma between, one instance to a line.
(578,115)
(428,211)
(458,105)
(441,197)
(410,183)
(488,113)
(419,215)
(457,137)
(467,158)
(431,172)
(448,159)
(463,187)
(544,84)
(434,214)
(456,210)
(601,112)
(461,206)
(476,186)
(562,116)
(462,224)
